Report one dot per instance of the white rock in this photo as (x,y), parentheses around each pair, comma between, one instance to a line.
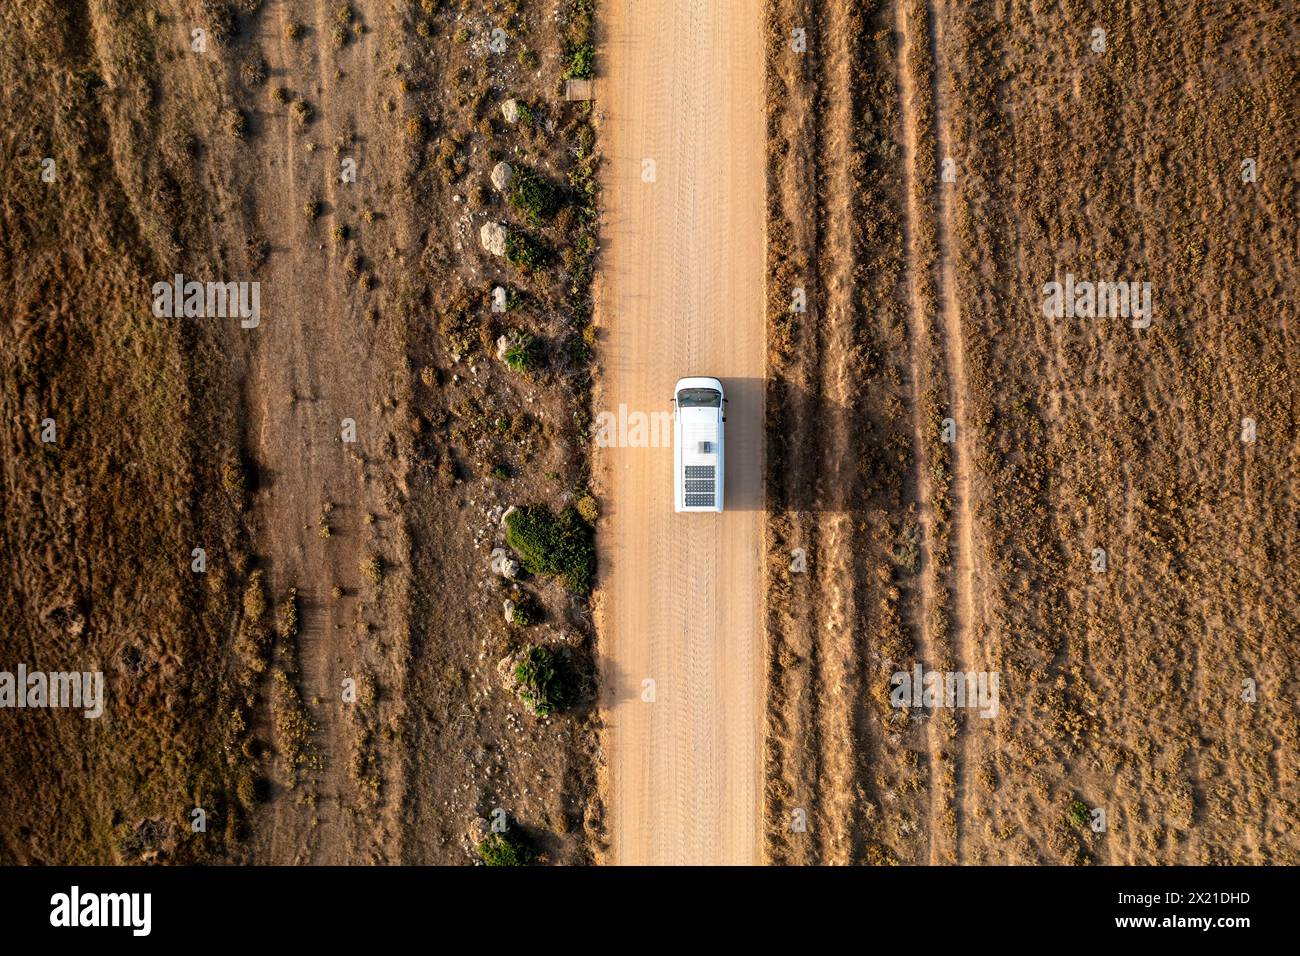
(493,238)
(502,175)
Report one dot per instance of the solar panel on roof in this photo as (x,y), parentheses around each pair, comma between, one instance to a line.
(700,484)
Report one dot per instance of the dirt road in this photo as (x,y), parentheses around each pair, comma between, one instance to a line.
(682,294)
(321,505)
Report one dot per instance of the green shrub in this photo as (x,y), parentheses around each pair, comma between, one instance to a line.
(582,61)
(499,850)
(540,684)
(526,612)
(524,250)
(1077,815)
(522,354)
(533,197)
(558,545)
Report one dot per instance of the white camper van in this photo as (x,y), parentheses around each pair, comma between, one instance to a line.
(697,444)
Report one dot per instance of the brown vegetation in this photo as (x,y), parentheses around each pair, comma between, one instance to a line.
(1120,690)
(226,688)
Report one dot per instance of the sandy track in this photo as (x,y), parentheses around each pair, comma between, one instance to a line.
(682,293)
(836,577)
(947,580)
(313,363)
(918,237)
(964,619)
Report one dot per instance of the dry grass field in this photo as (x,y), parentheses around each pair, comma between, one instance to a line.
(99,524)
(1161,690)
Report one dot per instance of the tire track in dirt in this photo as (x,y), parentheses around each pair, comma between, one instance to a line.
(682,264)
(962,550)
(837,575)
(794,741)
(314,363)
(282,363)
(918,243)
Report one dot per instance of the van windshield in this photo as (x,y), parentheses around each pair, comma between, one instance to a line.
(699,398)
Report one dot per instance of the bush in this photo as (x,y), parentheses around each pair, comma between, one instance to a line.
(499,850)
(540,685)
(251,789)
(255,599)
(236,123)
(253,72)
(232,477)
(582,60)
(561,545)
(526,611)
(522,354)
(533,197)
(372,568)
(588,509)
(1077,815)
(287,624)
(524,250)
